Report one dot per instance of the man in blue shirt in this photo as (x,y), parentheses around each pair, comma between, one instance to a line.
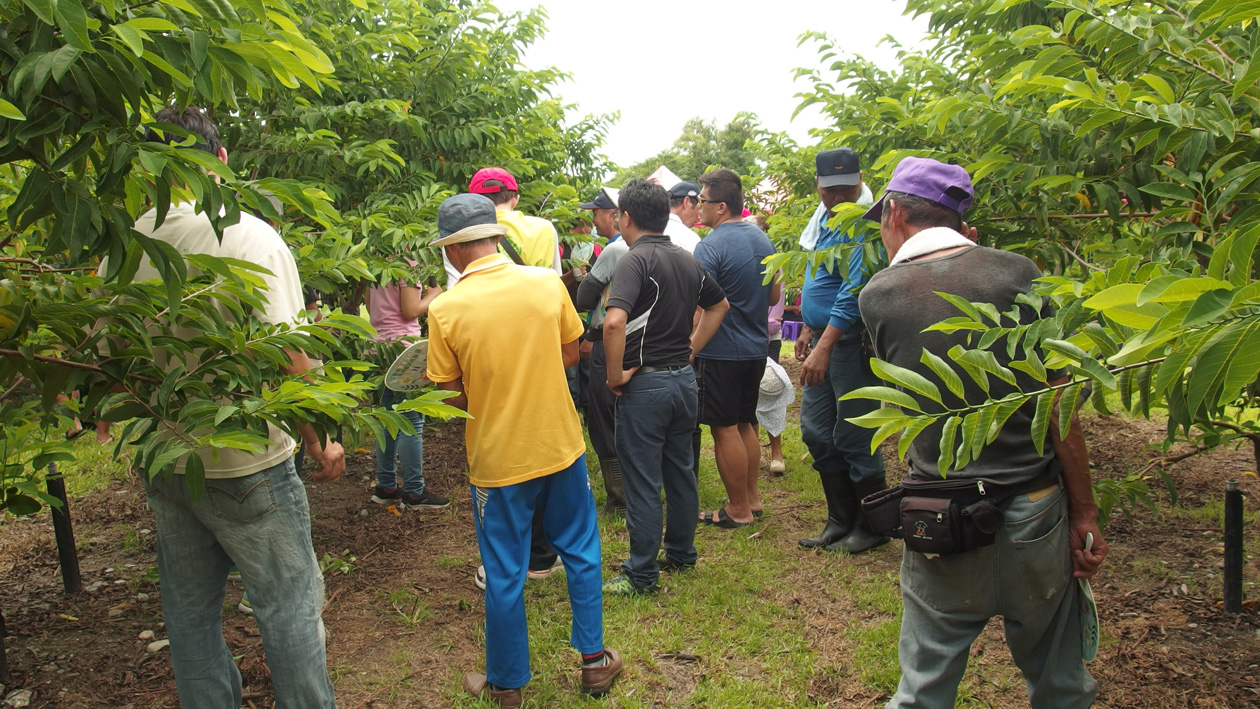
(836,362)
(730,367)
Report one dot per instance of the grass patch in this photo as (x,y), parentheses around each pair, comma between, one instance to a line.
(94,467)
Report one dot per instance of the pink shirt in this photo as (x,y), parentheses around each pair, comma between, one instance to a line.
(385,312)
(776,314)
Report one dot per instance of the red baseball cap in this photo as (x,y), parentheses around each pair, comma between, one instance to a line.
(487,174)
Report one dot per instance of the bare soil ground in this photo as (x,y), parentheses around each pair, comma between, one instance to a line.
(1166,642)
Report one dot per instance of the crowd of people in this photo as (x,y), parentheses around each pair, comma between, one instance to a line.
(662,333)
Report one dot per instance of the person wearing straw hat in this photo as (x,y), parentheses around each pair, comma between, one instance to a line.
(524,442)
(1048,531)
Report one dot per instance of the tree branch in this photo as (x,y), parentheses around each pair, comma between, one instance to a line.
(77,365)
(1102,215)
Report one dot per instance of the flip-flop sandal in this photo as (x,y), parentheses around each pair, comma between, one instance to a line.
(723,520)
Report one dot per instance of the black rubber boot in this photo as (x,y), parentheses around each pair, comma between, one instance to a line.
(610,468)
(862,538)
(840,511)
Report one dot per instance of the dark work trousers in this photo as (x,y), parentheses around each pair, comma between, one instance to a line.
(541,555)
(601,419)
(838,447)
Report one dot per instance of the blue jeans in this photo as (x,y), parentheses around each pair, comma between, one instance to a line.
(1025,577)
(656,415)
(504,516)
(406,449)
(837,446)
(262,523)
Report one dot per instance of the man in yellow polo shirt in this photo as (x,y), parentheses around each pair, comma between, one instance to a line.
(524,442)
(533,239)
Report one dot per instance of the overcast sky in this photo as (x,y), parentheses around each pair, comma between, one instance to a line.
(643,58)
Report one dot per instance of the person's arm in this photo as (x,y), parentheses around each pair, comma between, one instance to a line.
(707,327)
(409,302)
(844,315)
(413,306)
(615,349)
(460,401)
(1073,455)
(776,288)
(569,351)
(711,307)
(589,291)
(331,457)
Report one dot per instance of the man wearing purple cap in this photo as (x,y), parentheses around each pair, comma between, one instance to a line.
(1026,574)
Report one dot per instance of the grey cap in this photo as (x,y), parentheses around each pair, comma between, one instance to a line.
(467,217)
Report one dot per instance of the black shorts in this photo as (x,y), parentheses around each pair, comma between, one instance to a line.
(728,390)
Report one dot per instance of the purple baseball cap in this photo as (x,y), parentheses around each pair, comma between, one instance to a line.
(947,185)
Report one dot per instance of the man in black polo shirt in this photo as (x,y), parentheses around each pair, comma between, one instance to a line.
(649,344)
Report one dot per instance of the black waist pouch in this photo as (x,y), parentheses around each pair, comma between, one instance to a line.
(883,510)
(939,525)
(946,517)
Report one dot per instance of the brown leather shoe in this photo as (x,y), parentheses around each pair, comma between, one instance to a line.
(598,680)
(476,685)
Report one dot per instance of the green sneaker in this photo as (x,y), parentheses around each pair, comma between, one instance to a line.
(621,585)
(668,564)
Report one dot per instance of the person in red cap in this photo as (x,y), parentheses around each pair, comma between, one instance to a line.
(533,239)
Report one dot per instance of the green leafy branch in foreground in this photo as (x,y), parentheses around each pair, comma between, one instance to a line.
(1155,335)
(197,371)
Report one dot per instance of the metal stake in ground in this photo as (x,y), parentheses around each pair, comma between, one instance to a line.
(1233,547)
(64,532)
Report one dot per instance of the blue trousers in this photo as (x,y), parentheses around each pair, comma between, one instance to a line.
(406,449)
(656,415)
(503,517)
(838,447)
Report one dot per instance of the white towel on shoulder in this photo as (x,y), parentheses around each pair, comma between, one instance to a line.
(809,237)
(928,241)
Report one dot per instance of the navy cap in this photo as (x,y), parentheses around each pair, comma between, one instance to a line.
(684,189)
(838,167)
(601,201)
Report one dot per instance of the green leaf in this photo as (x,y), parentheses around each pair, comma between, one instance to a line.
(946,460)
(21,505)
(11,112)
(1173,289)
(1161,87)
(1168,190)
(133,38)
(1214,360)
(885,394)
(1123,294)
(72,19)
(906,379)
(945,372)
(912,432)
(1208,307)
(873,419)
(45,10)
(1094,369)
(1069,402)
(195,477)
(962,304)
(1041,421)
